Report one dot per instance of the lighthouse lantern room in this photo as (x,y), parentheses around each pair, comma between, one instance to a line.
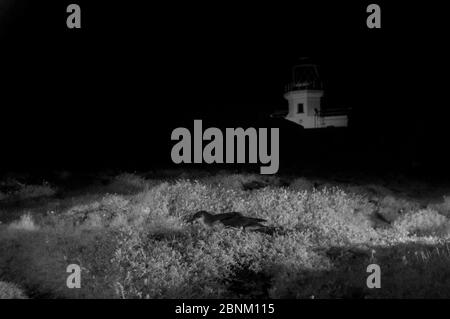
(304,95)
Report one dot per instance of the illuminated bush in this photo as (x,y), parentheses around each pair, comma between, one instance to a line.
(134,242)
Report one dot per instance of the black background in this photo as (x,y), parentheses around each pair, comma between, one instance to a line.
(283,308)
(110,93)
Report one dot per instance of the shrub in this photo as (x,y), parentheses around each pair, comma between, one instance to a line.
(301,184)
(393,207)
(25,222)
(127,184)
(24,192)
(423,222)
(443,207)
(38,261)
(11,291)
(135,242)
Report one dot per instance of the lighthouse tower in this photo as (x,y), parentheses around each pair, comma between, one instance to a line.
(304,95)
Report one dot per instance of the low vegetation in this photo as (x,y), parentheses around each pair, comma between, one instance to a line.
(130,237)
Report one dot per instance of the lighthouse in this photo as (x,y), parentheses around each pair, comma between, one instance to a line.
(305,95)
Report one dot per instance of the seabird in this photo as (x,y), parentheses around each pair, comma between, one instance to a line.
(232,219)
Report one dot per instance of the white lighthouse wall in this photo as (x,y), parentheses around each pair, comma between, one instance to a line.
(313,102)
(310,100)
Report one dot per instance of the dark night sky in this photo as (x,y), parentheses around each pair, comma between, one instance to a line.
(134,72)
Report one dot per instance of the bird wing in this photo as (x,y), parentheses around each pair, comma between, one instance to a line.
(236,217)
(234,221)
(256,220)
(241,221)
(227,216)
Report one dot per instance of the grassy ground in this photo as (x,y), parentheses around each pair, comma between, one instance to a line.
(129,236)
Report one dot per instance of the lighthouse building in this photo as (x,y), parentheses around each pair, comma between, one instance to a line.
(305,96)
